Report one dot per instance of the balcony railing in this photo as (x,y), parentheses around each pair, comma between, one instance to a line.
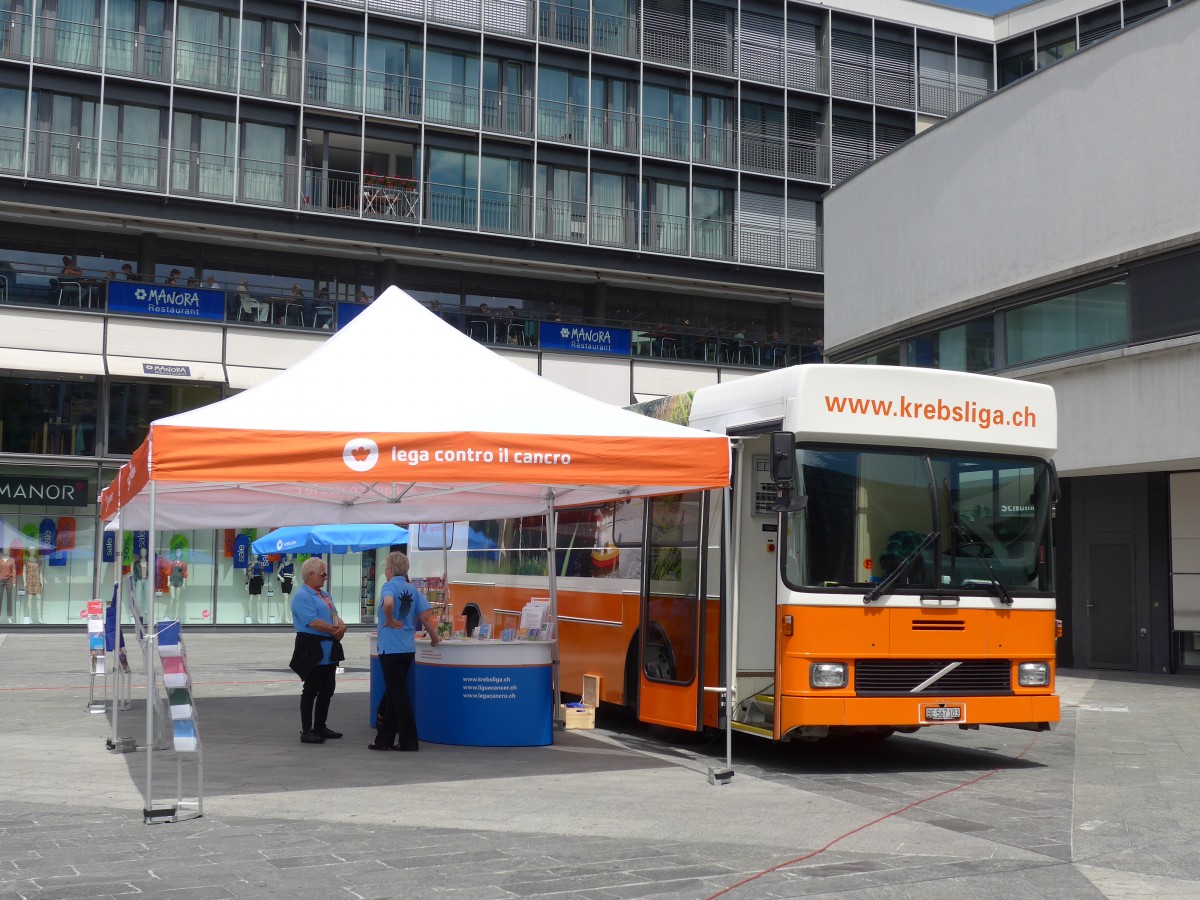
(715,146)
(270,75)
(452,104)
(393,95)
(17,35)
(846,163)
(205,65)
(808,72)
(808,161)
(505,213)
(665,233)
(561,220)
(131,165)
(12,149)
(507,113)
(804,252)
(712,239)
(332,191)
(935,97)
(391,199)
(665,138)
(196,174)
(614,129)
(565,25)
(68,44)
(132,53)
(331,85)
(63,157)
(615,34)
(463,13)
(450,205)
(565,122)
(613,226)
(267,182)
(970,96)
(762,153)
(511,17)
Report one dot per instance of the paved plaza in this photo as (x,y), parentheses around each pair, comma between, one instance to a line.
(1107,805)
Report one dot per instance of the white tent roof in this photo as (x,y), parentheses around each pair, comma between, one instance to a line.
(399,417)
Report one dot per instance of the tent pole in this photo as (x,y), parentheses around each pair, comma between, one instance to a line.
(151,677)
(445,571)
(730,697)
(551,565)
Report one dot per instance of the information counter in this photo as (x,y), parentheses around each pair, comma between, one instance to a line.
(485,693)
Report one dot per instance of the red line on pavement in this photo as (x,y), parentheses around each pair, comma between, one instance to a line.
(895,812)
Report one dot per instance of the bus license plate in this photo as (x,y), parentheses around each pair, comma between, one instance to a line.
(943,713)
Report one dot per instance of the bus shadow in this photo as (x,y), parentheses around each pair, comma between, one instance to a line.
(942,751)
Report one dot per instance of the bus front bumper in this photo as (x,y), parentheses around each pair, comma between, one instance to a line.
(909,712)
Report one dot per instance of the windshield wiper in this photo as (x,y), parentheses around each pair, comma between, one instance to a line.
(901,570)
(967,541)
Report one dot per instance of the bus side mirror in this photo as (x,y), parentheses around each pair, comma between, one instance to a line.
(783,457)
(783,472)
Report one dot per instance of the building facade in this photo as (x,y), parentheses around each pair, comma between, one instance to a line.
(1045,248)
(191,193)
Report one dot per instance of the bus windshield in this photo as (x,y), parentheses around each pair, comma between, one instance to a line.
(869,510)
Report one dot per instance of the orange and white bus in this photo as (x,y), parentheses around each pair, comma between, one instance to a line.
(883,562)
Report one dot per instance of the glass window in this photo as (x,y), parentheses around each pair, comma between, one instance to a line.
(132,153)
(265,65)
(334,75)
(12,129)
(48,416)
(72,32)
(452,88)
(963,348)
(132,407)
(265,169)
(136,34)
(504,200)
(1095,317)
(453,179)
(393,77)
(869,511)
(206,47)
(562,105)
(1051,51)
(49,515)
(202,155)
(665,122)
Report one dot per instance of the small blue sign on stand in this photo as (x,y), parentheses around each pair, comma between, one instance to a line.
(585,338)
(138,299)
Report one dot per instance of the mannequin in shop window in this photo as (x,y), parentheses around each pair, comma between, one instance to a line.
(286,573)
(31,575)
(254,585)
(8,581)
(138,572)
(177,574)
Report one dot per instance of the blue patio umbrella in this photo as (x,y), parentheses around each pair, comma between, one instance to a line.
(330,538)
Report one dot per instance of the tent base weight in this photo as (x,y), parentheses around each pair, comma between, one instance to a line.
(719,776)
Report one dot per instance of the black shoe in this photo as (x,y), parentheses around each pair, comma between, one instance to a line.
(329,734)
(378,747)
(311,737)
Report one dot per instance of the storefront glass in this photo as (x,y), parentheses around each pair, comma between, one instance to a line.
(47,518)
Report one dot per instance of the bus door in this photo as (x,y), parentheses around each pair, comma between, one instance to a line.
(672,629)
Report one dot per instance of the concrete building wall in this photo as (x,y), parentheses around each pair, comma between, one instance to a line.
(1076,153)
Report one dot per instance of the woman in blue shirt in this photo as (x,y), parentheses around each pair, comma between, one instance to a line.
(319,631)
(404,610)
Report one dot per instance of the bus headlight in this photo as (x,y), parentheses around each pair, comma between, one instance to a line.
(827,675)
(1036,674)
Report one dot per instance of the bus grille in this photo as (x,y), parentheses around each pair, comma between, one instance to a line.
(900,676)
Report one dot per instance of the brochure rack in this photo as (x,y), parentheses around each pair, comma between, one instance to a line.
(185,729)
(97,662)
(126,591)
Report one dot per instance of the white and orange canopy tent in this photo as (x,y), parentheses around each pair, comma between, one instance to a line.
(401,418)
